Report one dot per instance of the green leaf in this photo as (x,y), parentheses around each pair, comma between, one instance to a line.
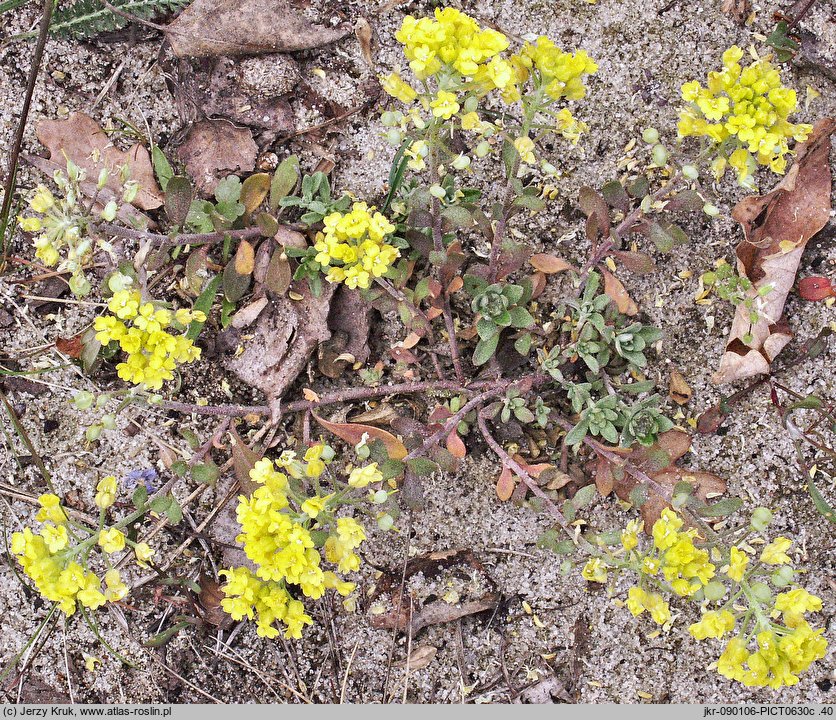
(422,467)
(523,344)
(162,638)
(820,503)
(485,350)
(178,199)
(284,180)
(235,285)
(85,18)
(553,540)
(396,173)
(530,202)
(521,318)
(576,435)
(457,216)
(721,508)
(584,496)
(510,157)
(162,167)
(204,304)
(228,190)
(616,196)
(638,496)
(206,473)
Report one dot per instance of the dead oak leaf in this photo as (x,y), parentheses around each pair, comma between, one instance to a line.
(777,227)
(83,141)
(285,336)
(659,463)
(216,147)
(213,28)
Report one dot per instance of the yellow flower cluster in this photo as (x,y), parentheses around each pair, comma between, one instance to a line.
(451,40)
(288,547)
(560,73)
(743,112)
(356,240)
(686,567)
(780,656)
(786,643)
(48,559)
(153,352)
(467,62)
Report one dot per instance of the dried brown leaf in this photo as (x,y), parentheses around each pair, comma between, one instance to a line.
(353,433)
(349,322)
(286,334)
(505,485)
(777,227)
(550,264)
(212,28)
(81,139)
(616,291)
(214,148)
(678,389)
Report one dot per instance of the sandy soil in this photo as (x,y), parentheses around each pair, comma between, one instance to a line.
(549,626)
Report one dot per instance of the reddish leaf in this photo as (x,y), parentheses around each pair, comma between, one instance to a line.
(618,294)
(243,460)
(353,433)
(505,485)
(550,264)
(455,446)
(72,347)
(816,288)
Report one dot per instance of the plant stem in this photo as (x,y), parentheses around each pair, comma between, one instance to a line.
(183,239)
(14,152)
(529,482)
(338,396)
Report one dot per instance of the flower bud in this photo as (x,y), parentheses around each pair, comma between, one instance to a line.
(93,432)
(483,148)
(471,104)
(109,211)
(660,155)
(462,162)
(761,592)
(690,171)
(83,400)
(388,119)
(711,210)
(783,576)
(379,497)
(761,517)
(650,136)
(102,178)
(385,522)
(714,591)
(394,136)
(437,191)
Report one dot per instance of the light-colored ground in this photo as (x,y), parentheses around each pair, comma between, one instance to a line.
(645,50)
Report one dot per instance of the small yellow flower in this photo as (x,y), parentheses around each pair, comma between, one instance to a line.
(776,552)
(713,624)
(315,505)
(143,553)
(525,148)
(737,564)
(445,105)
(51,510)
(106,492)
(595,571)
(115,589)
(111,540)
(361,477)
(398,88)
(55,537)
